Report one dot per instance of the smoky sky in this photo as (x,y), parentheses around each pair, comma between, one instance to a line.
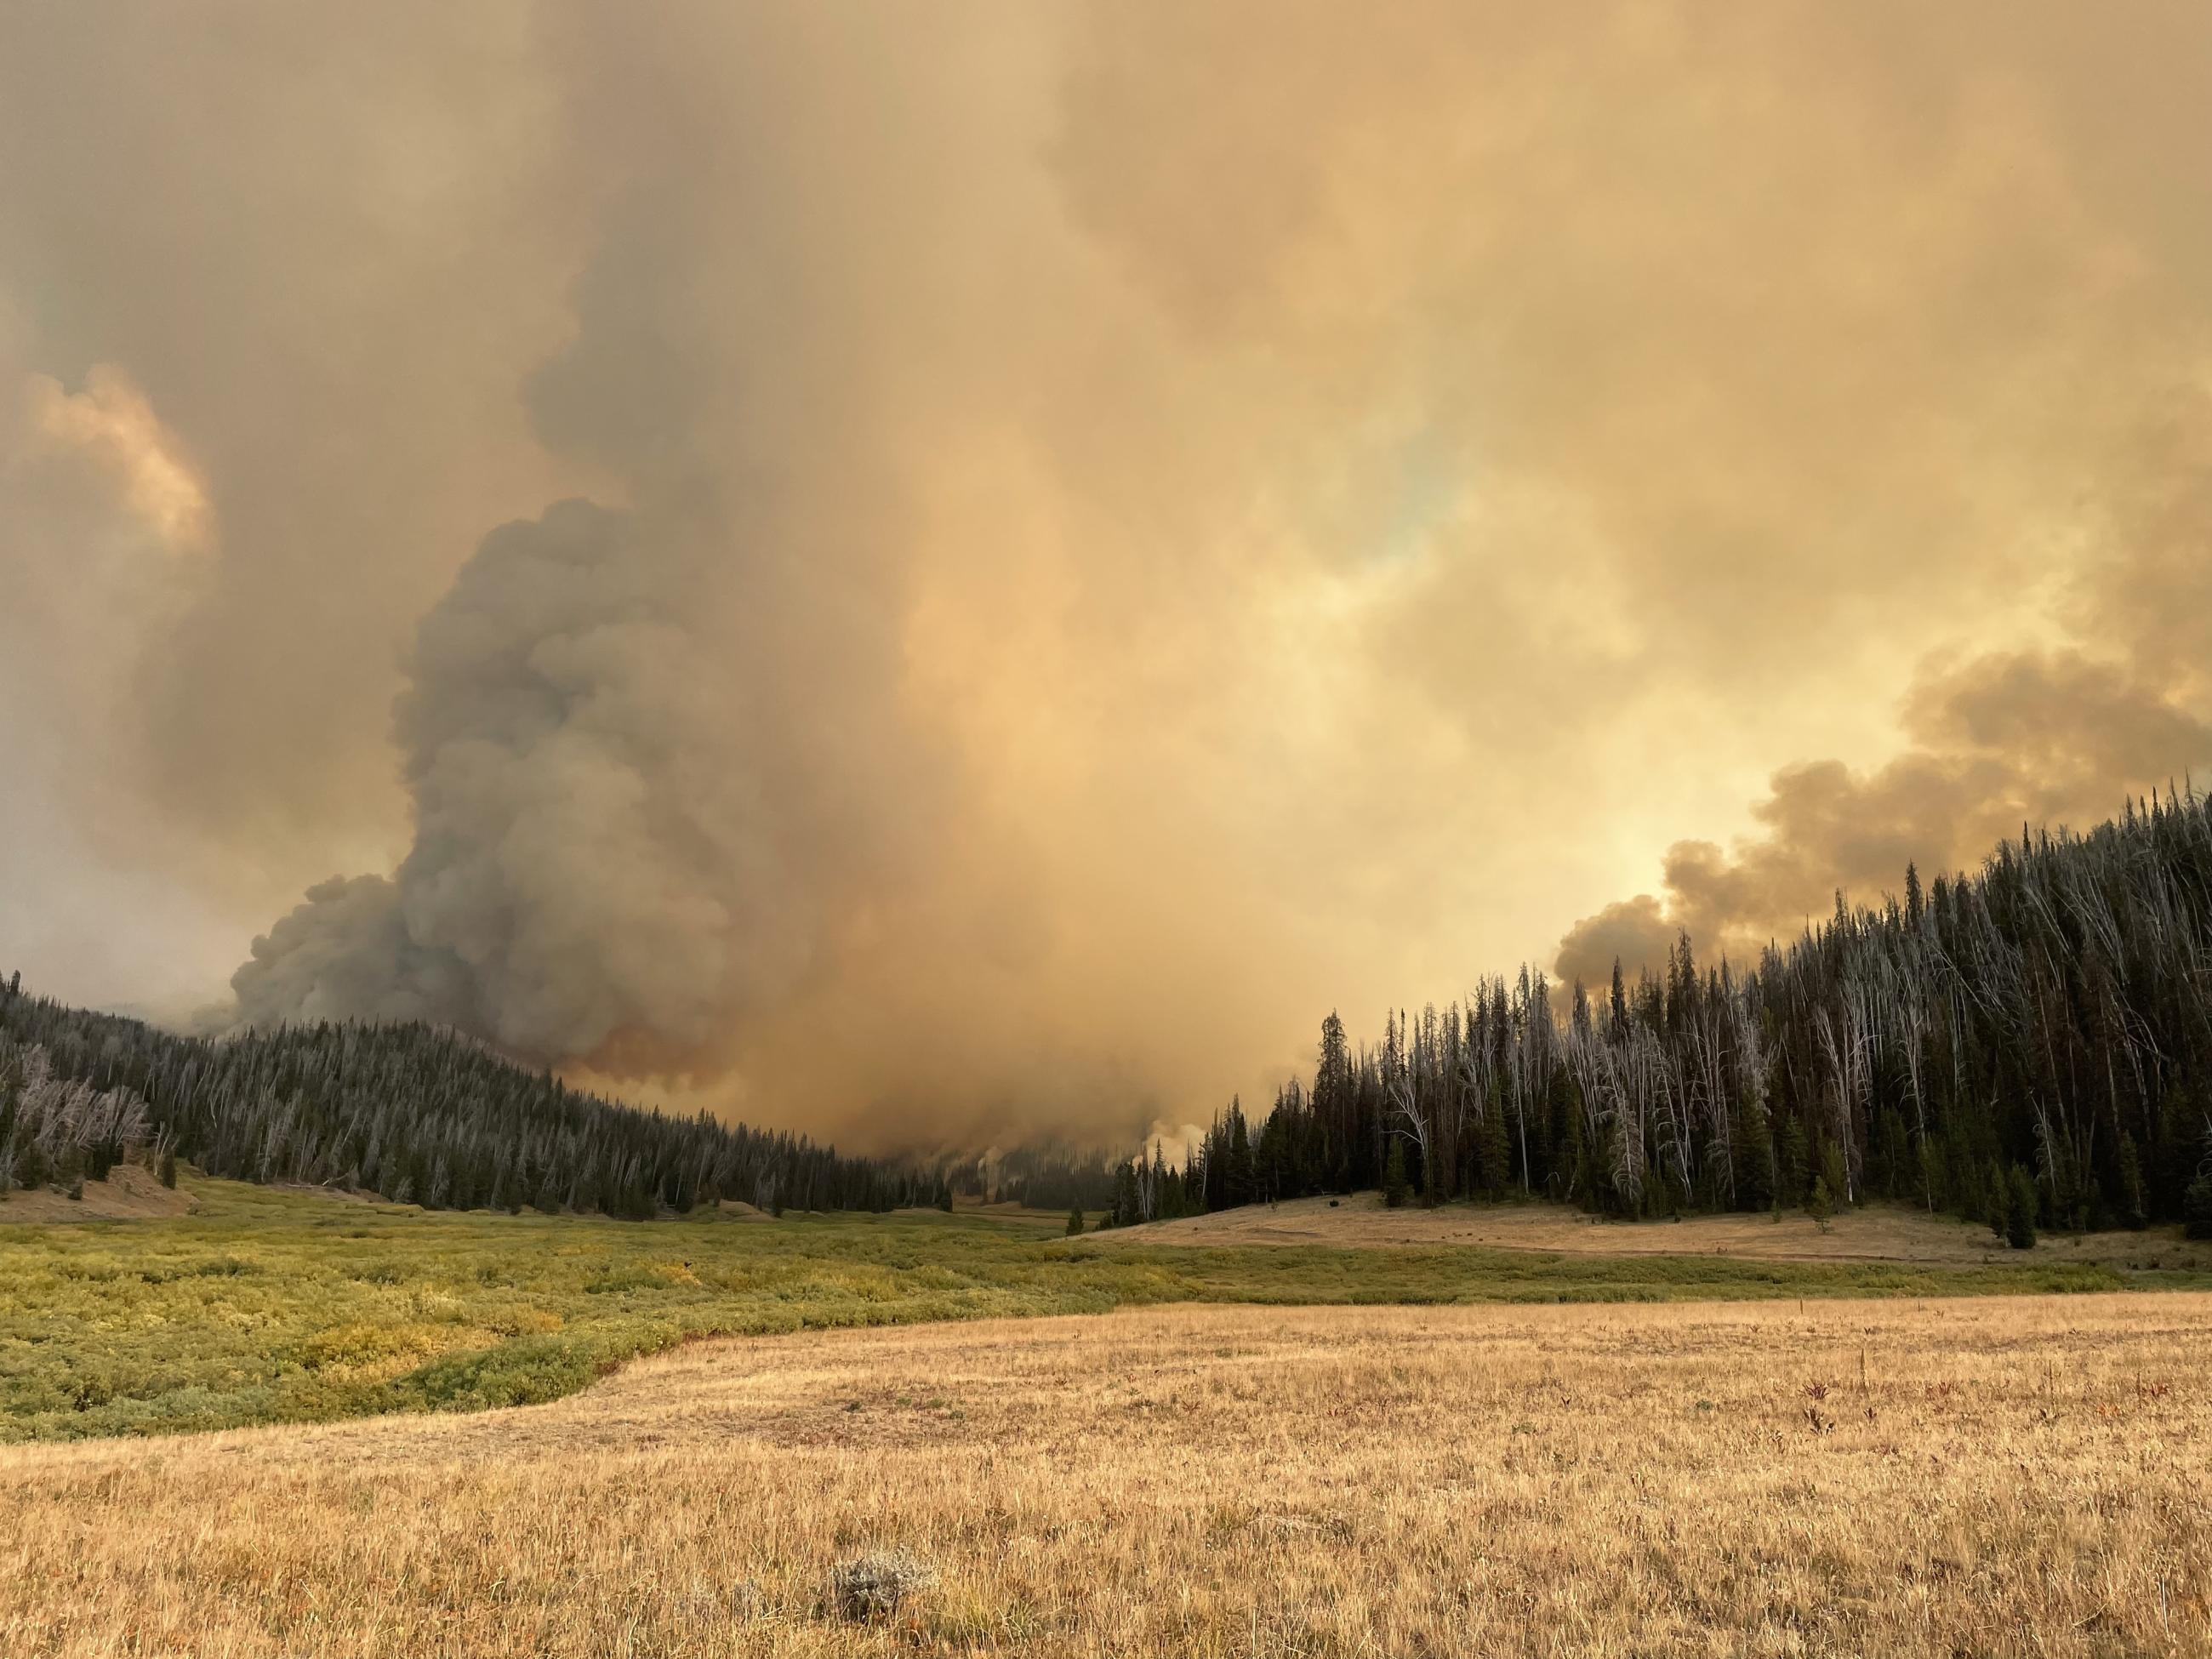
(937,573)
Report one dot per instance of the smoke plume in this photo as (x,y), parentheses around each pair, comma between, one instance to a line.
(1995,744)
(945,572)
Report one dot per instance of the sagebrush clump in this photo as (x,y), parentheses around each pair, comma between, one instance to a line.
(875,1585)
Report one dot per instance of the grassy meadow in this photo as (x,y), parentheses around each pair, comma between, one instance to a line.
(1877,1233)
(263,1306)
(2000,1476)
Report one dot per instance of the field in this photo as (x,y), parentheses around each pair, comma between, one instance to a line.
(2001,1476)
(262,1306)
(1879,1233)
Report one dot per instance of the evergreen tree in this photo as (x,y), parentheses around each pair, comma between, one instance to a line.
(1795,1160)
(1750,1156)
(2019,1210)
(1396,1188)
(1127,1208)
(1833,1172)
(2196,1208)
(1237,1182)
(1074,1221)
(1494,1156)
(1820,1202)
(2133,1211)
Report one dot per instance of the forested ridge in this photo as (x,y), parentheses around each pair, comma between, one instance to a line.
(2030,1046)
(404,1110)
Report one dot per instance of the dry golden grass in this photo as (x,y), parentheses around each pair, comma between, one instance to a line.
(1876,1233)
(2000,1476)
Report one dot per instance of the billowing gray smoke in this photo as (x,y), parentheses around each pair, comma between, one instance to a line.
(602,869)
(581,865)
(1122,526)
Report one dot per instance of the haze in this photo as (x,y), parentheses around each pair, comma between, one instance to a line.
(943,571)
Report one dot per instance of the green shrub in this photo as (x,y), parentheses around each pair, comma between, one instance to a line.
(1821,1203)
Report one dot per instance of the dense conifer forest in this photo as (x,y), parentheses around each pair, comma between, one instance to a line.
(2030,1045)
(407,1111)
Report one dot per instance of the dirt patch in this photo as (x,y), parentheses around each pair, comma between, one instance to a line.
(129,1194)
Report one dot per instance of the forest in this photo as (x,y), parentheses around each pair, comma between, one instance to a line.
(2030,1046)
(407,1111)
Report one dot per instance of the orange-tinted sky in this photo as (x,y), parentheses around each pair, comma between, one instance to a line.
(1114,528)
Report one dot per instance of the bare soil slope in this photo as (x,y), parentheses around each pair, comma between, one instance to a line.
(129,1194)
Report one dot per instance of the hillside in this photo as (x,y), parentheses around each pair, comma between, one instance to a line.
(402,1111)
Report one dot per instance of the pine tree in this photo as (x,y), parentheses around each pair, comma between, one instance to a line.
(1750,1156)
(2133,1213)
(1493,1148)
(1833,1172)
(1074,1219)
(1396,1188)
(1238,1185)
(1820,1203)
(2196,1208)
(2019,1210)
(1126,1211)
(1574,1161)
(1795,1162)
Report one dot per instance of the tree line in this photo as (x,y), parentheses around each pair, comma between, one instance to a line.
(1042,1175)
(2029,1046)
(407,1111)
